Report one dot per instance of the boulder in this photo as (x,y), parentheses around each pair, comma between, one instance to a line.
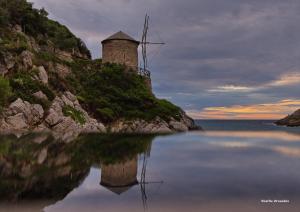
(37,113)
(71,97)
(7,62)
(41,128)
(23,115)
(42,75)
(33,113)
(67,101)
(4,126)
(19,106)
(17,122)
(92,126)
(67,129)
(40,95)
(26,57)
(33,44)
(53,117)
(62,70)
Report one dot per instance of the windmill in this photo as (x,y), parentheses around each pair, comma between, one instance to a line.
(144,43)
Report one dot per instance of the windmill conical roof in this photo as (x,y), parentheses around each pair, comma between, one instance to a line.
(119,189)
(120,36)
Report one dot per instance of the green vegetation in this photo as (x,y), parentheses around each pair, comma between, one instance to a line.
(24,86)
(111,93)
(34,22)
(5,92)
(14,43)
(76,115)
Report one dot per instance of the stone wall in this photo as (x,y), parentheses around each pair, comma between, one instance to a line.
(121,52)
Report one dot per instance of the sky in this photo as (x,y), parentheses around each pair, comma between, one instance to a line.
(229,59)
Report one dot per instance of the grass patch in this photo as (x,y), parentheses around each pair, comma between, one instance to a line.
(24,86)
(76,115)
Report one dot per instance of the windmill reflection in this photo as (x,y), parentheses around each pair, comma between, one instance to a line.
(119,177)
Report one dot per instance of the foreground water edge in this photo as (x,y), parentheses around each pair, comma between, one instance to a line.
(214,170)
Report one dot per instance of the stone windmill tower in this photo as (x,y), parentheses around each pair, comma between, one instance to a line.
(122,49)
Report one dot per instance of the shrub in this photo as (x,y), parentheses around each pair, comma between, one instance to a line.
(24,87)
(106,114)
(35,22)
(76,115)
(111,93)
(5,92)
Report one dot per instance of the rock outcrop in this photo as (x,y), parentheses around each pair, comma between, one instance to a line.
(292,120)
(23,116)
(66,126)
(157,126)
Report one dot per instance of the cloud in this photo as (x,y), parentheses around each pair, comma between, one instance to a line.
(232,88)
(284,80)
(288,151)
(287,79)
(274,110)
(233,52)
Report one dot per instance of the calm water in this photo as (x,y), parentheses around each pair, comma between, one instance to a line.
(231,166)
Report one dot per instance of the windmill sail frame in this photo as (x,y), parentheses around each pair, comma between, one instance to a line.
(144,42)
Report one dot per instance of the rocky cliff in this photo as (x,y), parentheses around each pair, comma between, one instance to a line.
(48,82)
(292,120)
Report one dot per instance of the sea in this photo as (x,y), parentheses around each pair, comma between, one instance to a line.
(230,165)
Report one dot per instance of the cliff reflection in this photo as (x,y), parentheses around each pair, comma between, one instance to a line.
(36,167)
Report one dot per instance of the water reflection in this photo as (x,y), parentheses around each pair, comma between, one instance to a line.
(211,171)
(37,167)
(119,177)
(282,135)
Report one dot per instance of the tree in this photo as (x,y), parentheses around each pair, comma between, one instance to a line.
(43,12)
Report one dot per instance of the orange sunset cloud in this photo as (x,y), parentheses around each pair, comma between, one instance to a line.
(275,110)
